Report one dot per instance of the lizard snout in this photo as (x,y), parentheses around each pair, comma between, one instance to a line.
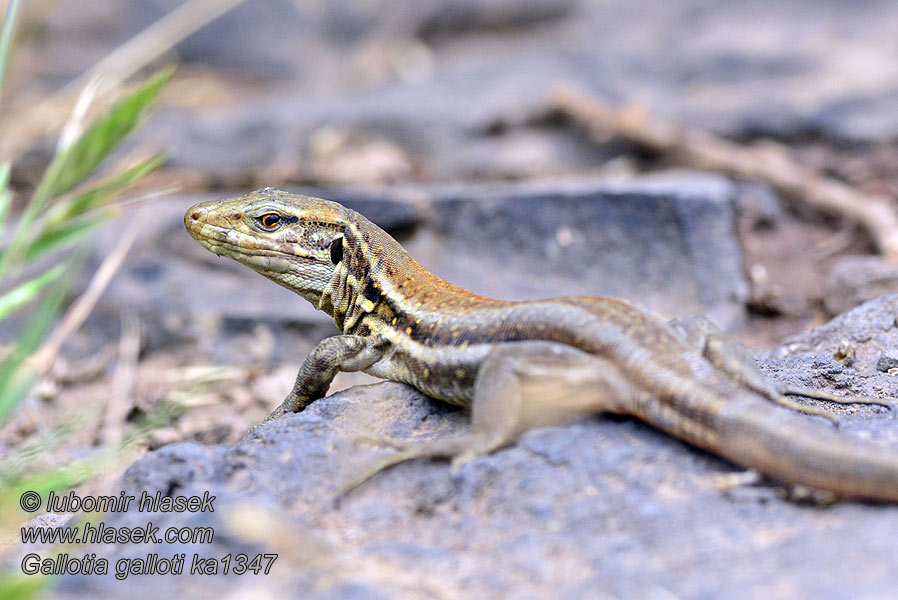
(194,219)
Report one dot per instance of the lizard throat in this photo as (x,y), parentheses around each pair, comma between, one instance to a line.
(345,299)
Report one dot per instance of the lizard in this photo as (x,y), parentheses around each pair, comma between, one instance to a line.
(521,364)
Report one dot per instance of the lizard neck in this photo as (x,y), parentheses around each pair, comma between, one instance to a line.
(377,277)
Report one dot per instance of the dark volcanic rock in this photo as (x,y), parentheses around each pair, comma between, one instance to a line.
(856,279)
(601,507)
(867,330)
(888,359)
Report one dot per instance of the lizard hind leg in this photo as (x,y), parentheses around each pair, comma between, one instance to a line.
(520,386)
(727,354)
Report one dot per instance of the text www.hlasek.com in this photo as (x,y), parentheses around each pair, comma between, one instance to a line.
(102,534)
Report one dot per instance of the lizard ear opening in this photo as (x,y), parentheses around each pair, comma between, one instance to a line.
(336,248)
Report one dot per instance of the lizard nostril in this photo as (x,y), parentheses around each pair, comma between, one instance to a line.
(195,216)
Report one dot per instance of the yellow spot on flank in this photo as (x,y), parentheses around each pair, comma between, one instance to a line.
(408,330)
(464,345)
(394,321)
(426,372)
(460,373)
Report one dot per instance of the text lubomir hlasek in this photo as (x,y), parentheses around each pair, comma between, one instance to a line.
(157,502)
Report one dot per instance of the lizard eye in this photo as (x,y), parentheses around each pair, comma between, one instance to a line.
(269,220)
(336,248)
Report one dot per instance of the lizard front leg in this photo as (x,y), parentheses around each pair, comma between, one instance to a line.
(332,355)
(520,386)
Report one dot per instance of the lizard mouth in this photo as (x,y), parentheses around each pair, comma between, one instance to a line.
(239,246)
(266,256)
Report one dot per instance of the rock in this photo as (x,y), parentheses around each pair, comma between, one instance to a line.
(666,241)
(489,15)
(854,280)
(384,207)
(173,468)
(888,359)
(868,330)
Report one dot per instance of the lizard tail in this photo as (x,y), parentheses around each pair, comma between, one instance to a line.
(790,448)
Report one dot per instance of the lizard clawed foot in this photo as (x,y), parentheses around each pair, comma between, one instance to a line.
(294,403)
(461,449)
(737,479)
(460,460)
(804,495)
(731,484)
(386,463)
(826,396)
(805,408)
(384,440)
(277,413)
(405,451)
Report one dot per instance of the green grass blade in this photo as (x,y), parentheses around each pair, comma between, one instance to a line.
(15,377)
(25,292)
(64,477)
(64,234)
(15,586)
(16,383)
(103,192)
(107,132)
(73,163)
(71,220)
(6,37)
(5,194)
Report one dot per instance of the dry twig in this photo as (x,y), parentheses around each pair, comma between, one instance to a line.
(770,162)
(43,359)
(124,381)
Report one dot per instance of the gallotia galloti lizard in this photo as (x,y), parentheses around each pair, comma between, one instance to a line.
(519,365)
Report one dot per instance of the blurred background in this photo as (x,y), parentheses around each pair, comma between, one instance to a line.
(732,159)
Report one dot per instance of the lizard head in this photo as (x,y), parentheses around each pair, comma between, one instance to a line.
(293,240)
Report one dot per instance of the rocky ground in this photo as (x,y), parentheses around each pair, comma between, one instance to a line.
(431,118)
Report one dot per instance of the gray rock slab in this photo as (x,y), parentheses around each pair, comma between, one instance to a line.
(601,507)
(665,241)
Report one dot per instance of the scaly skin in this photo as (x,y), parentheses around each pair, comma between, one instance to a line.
(522,364)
